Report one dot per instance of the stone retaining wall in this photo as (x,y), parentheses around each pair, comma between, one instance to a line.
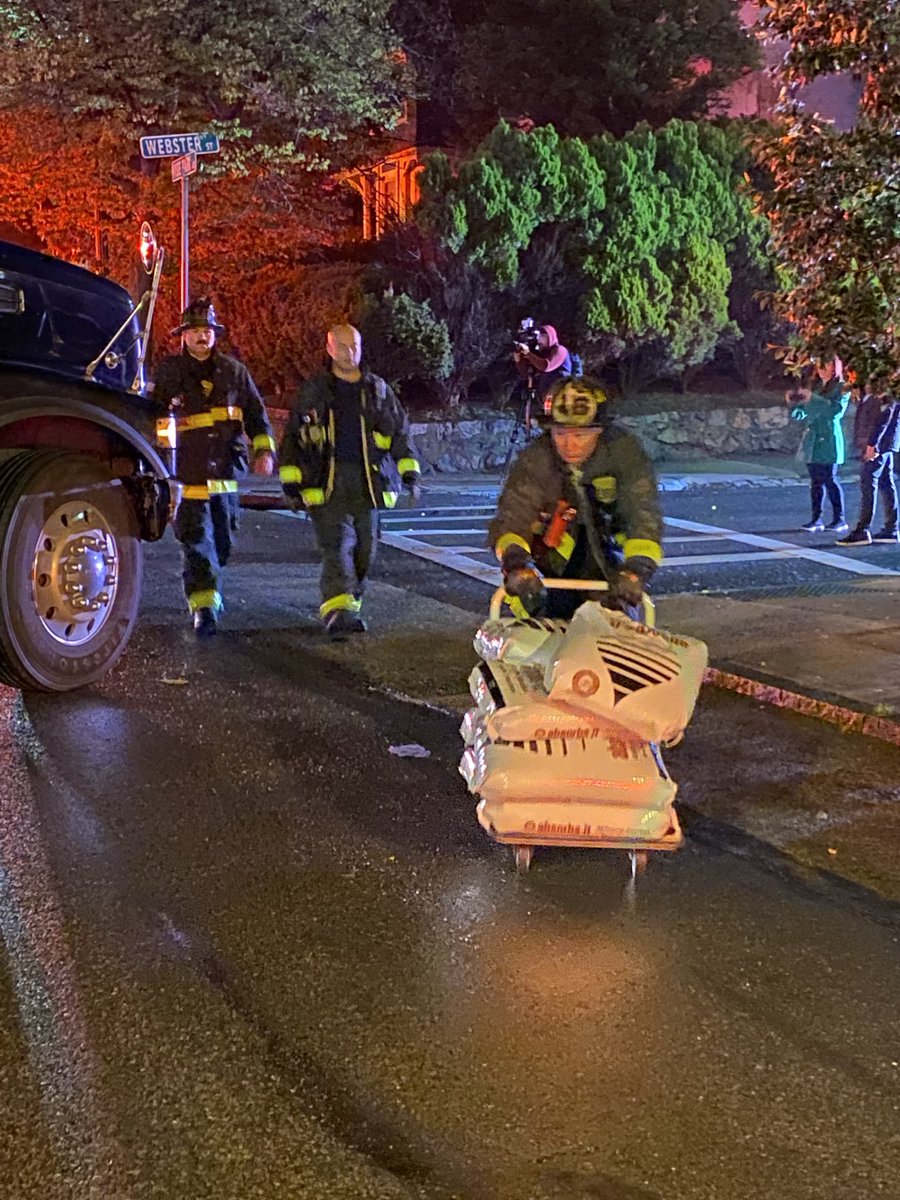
(481,445)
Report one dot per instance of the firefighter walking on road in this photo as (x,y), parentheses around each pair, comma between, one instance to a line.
(215,403)
(581,502)
(345,453)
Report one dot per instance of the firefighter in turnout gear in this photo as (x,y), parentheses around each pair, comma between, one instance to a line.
(345,453)
(580,503)
(215,403)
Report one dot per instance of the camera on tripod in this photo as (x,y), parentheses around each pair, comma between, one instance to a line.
(527,335)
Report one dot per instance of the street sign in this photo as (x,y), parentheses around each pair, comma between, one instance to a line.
(184,166)
(173,145)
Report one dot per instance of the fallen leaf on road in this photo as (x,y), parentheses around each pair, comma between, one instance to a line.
(412,750)
(179,679)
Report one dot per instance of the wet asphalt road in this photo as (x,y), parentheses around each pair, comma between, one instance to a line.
(250,953)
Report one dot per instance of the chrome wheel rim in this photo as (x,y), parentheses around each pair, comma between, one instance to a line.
(75,574)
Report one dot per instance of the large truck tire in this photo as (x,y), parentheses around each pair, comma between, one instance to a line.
(72,566)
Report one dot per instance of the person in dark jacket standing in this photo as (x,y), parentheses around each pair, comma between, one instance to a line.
(581,502)
(876,434)
(345,452)
(822,408)
(215,403)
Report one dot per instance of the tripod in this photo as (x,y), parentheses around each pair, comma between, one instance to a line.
(524,424)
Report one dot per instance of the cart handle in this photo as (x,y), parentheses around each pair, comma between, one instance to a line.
(568,585)
(576,585)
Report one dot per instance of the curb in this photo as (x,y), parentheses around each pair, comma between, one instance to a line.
(848,720)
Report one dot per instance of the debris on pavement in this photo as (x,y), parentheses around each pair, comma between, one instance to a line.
(411,750)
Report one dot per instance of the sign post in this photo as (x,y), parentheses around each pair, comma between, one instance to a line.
(182,169)
(183,148)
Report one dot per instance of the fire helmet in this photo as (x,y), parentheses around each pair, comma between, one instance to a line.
(576,403)
(199,314)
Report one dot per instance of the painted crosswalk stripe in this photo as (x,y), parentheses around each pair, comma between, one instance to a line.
(825,558)
(408,533)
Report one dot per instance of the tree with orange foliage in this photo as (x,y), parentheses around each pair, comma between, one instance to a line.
(834,203)
(284,85)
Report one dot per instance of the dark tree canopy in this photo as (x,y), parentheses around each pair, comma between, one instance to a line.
(286,69)
(585,66)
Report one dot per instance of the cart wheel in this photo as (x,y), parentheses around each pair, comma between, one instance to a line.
(522,855)
(638,862)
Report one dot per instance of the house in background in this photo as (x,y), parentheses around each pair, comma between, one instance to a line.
(388,187)
(835,97)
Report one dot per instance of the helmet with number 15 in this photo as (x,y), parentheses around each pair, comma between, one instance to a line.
(576,408)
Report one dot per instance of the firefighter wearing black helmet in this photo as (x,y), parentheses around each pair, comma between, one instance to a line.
(581,502)
(215,404)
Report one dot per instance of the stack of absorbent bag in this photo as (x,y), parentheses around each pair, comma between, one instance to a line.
(562,743)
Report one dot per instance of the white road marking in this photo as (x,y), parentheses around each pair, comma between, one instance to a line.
(824,557)
(406,528)
(397,528)
(439,509)
(444,557)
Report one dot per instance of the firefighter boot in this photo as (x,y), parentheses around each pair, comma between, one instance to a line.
(205,622)
(340,623)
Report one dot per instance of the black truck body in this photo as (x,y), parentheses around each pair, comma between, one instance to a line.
(82,482)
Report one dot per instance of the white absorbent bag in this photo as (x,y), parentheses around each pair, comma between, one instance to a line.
(507,639)
(611,668)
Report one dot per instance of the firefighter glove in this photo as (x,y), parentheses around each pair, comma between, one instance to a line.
(292,497)
(627,586)
(522,579)
(413,486)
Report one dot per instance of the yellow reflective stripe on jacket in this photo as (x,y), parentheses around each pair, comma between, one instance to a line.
(389,498)
(312,496)
(290,475)
(345,602)
(408,464)
(206,420)
(643,548)
(566,547)
(605,488)
(264,441)
(510,539)
(205,599)
(212,487)
(382,440)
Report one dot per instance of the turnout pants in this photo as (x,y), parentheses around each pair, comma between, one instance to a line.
(206,531)
(347,532)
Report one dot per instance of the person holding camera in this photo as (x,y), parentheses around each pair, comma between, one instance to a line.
(821,408)
(539,357)
(345,452)
(581,502)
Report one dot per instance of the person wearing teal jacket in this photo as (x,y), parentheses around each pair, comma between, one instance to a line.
(821,407)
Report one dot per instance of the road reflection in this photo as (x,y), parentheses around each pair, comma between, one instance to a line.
(33,928)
